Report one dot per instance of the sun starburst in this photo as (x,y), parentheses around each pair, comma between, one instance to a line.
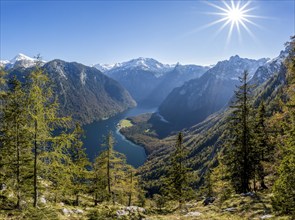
(234,14)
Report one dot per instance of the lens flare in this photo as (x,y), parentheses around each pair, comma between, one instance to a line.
(234,14)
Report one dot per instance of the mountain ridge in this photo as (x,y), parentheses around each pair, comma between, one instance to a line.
(83,92)
(200,97)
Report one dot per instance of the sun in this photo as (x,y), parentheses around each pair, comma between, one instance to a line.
(234,14)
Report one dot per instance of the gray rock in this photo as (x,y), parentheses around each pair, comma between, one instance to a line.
(10,195)
(230,209)
(134,209)
(43,200)
(3,186)
(266,216)
(65,211)
(122,213)
(251,194)
(191,214)
(78,211)
(130,210)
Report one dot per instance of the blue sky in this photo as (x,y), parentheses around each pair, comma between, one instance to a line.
(93,32)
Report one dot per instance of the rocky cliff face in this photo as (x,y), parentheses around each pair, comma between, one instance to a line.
(173,79)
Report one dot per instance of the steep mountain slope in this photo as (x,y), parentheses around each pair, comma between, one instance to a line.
(84,92)
(205,139)
(198,98)
(175,78)
(272,66)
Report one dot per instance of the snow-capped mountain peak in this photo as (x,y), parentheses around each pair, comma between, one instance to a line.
(3,63)
(272,66)
(141,63)
(234,58)
(235,66)
(281,58)
(21,57)
(103,67)
(20,60)
(148,64)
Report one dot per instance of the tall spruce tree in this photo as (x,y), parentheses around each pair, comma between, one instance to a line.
(262,148)
(79,165)
(134,192)
(2,101)
(55,164)
(99,180)
(239,152)
(15,140)
(113,173)
(178,185)
(2,85)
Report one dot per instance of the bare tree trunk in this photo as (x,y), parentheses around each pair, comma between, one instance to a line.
(35,167)
(95,199)
(77,199)
(18,169)
(131,187)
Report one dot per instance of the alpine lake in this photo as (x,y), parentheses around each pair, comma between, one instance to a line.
(96,132)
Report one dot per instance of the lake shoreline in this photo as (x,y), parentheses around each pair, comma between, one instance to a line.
(134,143)
(95,132)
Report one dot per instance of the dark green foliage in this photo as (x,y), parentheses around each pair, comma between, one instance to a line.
(160,200)
(208,184)
(263,152)
(284,186)
(55,166)
(99,181)
(112,180)
(79,165)
(177,186)
(15,141)
(239,154)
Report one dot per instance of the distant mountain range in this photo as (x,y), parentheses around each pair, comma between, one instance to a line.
(150,81)
(198,98)
(147,80)
(172,79)
(141,63)
(185,94)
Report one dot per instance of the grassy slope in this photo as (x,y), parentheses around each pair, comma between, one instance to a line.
(125,123)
